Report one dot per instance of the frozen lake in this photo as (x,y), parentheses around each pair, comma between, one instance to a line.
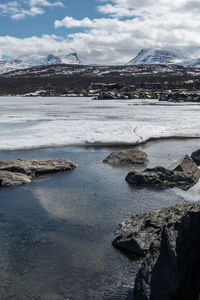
(35,122)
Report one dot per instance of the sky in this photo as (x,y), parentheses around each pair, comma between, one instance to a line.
(100,31)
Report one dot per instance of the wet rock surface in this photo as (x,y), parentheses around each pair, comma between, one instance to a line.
(127,157)
(171,268)
(20,171)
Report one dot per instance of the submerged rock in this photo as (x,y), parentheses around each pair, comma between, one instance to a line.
(127,157)
(171,268)
(196,157)
(160,176)
(20,171)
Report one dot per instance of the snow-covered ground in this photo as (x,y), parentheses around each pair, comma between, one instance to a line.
(33,122)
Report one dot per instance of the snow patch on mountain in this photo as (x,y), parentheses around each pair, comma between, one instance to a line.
(9,64)
(184,56)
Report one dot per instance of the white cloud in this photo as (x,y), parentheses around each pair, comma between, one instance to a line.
(132,25)
(70,22)
(23,13)
(19,48)
(44,3)
(29,8)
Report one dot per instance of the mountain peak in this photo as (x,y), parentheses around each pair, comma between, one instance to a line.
(53,59)
(185,56)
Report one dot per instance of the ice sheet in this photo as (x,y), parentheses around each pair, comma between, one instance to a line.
(33,122)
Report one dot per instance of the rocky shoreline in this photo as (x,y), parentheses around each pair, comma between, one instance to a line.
(168,239)
(180,96)
(166,96)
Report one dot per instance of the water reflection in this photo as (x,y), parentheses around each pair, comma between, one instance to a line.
(70,204)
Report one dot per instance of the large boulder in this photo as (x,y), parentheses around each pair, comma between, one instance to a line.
(138,232)
(127,157)
(171,268)
(19,171)
(196,157)
(161,177)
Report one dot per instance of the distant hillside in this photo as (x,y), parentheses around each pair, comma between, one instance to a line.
(64,79)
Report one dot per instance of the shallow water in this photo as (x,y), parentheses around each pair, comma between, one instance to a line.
(56,232)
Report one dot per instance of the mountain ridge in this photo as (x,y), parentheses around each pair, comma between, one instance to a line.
(10,64)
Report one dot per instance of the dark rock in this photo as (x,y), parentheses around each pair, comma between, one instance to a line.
(160,176)
(104,95)
(196,157)
(16,172)
(127,157)
(163,97)
(171,268)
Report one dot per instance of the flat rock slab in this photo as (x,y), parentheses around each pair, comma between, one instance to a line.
(127,157)
(137,233)
(187,165)
(159,176)
(20,171)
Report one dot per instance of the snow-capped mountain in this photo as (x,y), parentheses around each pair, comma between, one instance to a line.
(184,56)
(7,65)
(69,59)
